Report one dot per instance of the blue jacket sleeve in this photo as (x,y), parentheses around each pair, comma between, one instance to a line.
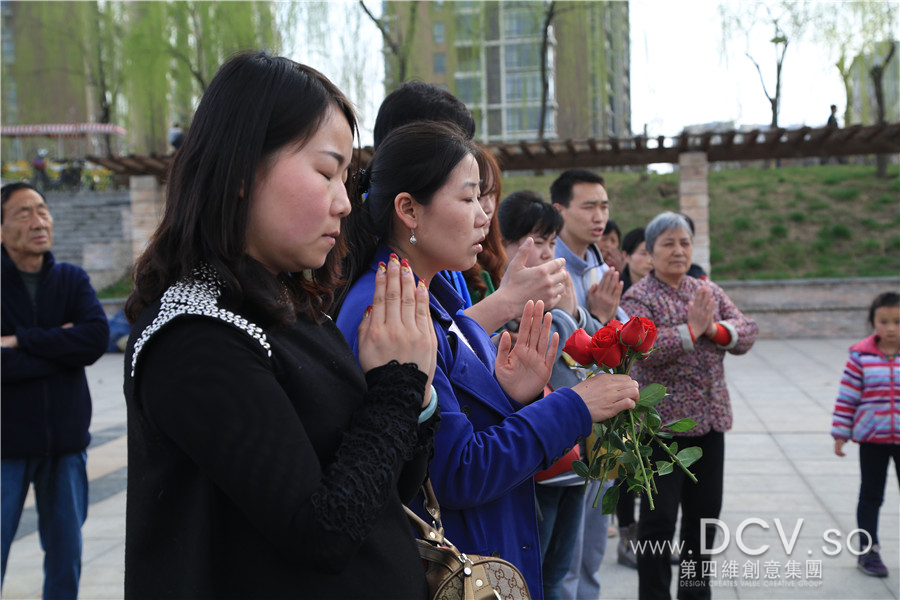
(76,346)
(472,466)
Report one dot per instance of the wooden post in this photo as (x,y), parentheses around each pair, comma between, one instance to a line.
(693,198)
(147,201)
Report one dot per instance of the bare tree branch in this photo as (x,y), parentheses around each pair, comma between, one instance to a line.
(385,32)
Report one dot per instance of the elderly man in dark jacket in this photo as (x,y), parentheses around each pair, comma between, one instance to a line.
(52,327)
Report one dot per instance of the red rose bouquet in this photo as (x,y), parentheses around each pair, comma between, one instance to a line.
(620,445)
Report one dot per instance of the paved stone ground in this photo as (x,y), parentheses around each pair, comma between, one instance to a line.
(779,465)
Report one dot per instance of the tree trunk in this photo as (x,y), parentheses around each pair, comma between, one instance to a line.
(545,80)
(877,74)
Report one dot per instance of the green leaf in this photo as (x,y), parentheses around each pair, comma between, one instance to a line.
(580,468)
(627,458)
(610,499)
(597,467)
(689,456)
(646,450)
(673,447)
(616,441)
(664,467)
(664,434)
(652,394)
(653,421)
(681,425)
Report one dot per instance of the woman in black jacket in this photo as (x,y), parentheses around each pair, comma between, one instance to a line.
(263,461)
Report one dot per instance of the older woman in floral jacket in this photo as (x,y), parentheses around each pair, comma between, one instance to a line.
(697,324)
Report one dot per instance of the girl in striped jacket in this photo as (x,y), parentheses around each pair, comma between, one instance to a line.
(868,412)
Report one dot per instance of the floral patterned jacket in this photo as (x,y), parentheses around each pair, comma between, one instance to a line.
(692,371)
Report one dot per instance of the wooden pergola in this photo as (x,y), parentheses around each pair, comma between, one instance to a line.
(725,146)
(596,153)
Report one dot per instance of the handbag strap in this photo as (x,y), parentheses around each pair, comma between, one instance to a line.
(432,533)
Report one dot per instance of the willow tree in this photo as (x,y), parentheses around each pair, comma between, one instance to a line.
(147,71)
(104,61)
(860,33)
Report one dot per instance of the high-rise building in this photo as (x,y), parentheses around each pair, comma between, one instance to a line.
(490,55)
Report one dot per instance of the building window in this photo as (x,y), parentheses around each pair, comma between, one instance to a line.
(440,63)
(467,27)
(468,89)
(524,119)
(520,22)
(468,59)
(437,32)
(522,56)
(523,86)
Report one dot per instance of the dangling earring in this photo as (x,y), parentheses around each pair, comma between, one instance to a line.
(412,237)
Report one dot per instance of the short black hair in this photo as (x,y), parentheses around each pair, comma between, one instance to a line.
(561,188)
(9,189)
(420,101)
(632,240)
(526,211)
(880,301)
(612,226)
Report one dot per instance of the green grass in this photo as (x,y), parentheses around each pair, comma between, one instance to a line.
(792,222)
(120,289)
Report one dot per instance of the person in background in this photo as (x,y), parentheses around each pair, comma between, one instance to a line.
(695,270)
(832,118)
(264,459)
(610,244)
(484,278)
(637,260)
(52,327)
(697,324)
(497,431)
(417,101)
(176,136)
(867,411)
(580,197)
(560,492)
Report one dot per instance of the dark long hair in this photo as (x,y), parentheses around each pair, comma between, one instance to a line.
(492,256)
(255,106)
(417,159)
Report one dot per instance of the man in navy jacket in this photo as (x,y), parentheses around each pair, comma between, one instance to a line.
(52,326)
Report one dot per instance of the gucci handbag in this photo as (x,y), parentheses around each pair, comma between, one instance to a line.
(453,575)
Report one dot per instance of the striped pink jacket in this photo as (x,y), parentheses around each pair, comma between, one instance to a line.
(868,403)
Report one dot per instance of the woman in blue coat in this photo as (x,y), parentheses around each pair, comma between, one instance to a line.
(422,206)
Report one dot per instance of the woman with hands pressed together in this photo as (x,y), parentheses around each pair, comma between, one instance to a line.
(422,206)
(262,460)
(697,324)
